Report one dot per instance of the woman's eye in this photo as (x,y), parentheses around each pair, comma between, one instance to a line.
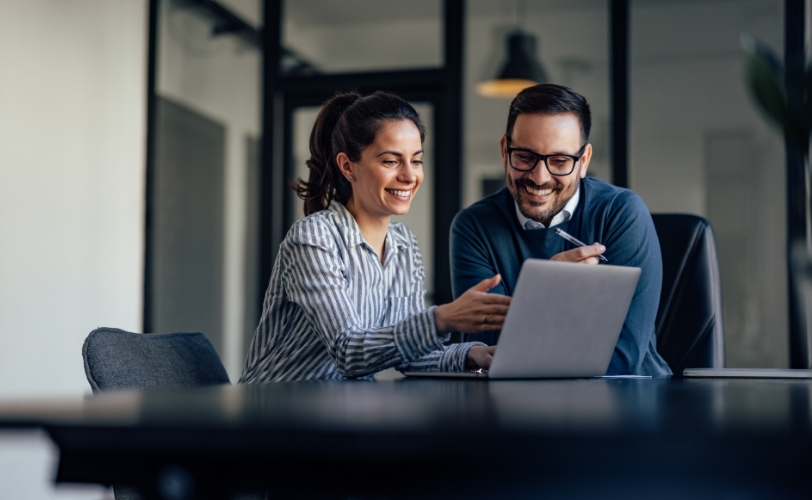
(390,163)
(417,163)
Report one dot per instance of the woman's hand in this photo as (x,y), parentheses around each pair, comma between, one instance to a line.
(475,311)
(479,356)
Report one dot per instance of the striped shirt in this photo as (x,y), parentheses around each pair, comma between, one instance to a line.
(332,311)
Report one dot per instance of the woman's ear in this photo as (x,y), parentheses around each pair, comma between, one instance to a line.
(345,166)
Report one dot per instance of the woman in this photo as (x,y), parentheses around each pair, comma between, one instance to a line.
(346,293)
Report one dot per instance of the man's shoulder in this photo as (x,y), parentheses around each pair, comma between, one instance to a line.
(603,196)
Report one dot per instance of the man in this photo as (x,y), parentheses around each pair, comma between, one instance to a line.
(546,153)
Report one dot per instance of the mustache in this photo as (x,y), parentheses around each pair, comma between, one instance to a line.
(547,185)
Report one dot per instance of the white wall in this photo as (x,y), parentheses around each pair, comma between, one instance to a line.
(72,130)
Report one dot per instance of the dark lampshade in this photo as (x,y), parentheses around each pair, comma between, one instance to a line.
(521,70)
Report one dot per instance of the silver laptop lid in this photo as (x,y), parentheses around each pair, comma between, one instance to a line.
(564,320)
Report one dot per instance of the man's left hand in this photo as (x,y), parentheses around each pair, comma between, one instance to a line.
(582,255)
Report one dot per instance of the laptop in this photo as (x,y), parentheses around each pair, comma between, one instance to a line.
(564,321)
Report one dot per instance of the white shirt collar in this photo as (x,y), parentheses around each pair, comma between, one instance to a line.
(563,216)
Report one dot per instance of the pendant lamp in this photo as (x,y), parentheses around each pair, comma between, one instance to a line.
(521,70)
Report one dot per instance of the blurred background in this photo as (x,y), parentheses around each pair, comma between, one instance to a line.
(146,148)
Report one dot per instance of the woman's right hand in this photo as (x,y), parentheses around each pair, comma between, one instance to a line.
(475,311)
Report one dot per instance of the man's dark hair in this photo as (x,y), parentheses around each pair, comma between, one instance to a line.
(550,99)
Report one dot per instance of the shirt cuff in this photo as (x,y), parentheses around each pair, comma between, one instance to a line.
(454,356)
(416,336)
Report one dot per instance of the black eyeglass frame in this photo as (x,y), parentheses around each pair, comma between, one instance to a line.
(576,158)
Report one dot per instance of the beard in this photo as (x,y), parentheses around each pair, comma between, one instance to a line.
(534,210)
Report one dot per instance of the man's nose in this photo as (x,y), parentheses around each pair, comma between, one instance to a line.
(540,174)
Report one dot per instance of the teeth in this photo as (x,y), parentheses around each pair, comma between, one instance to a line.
(538,192)
(400,192)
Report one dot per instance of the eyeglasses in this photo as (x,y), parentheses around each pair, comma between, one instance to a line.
(525,160)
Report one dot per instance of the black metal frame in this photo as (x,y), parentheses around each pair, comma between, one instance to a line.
(794,35)
(441,87)
(149,180)
(619,90)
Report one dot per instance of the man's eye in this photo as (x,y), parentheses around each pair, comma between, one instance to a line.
(525,158)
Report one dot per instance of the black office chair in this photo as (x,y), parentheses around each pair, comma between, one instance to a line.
(689,319)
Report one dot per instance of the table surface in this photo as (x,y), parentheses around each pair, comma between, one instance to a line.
(749,432)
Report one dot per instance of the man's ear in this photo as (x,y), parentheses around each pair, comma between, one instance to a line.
(503,145)
(585,159)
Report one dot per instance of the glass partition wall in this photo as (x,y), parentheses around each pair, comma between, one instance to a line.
(326,47)
(571,46)
(221,196)
(699,145)
(202,262)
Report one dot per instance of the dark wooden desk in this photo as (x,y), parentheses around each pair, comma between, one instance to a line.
(445,438)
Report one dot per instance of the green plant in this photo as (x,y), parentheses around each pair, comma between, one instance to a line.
(768,80)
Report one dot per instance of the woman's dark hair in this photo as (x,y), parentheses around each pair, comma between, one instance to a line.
(550,99)
(347,123)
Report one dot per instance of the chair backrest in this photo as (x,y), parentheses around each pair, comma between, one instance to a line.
(115,359)
(689,320)
(800,342)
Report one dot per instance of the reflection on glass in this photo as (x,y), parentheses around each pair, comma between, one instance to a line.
(699,145)
(325,36)
(573,403)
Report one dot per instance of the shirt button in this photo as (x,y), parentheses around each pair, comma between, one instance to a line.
(380,287)
(377,325)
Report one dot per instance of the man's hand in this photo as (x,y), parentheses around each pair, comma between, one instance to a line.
(479,356)
(582,255)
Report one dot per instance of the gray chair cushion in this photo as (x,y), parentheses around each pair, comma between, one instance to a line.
(115,359)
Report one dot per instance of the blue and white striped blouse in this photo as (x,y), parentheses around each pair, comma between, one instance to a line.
(332,311)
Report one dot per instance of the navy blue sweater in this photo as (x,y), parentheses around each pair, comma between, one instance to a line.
(486,239)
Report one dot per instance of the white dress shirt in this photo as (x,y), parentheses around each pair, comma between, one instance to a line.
(563,216)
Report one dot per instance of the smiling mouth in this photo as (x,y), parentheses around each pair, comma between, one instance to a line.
(402,193)
(538,192)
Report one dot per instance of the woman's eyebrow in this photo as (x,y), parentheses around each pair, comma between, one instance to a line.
(397,153)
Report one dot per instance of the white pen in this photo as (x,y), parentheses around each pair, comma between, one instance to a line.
(575,241)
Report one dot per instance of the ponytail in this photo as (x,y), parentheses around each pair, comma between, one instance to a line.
(347,123)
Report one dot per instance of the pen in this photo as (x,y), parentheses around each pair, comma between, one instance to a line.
(575,241)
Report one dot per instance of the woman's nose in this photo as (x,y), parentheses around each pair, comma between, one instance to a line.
(408,174)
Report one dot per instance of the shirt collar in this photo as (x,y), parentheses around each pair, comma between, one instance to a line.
(563,216)
(349,228)
(352,233)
